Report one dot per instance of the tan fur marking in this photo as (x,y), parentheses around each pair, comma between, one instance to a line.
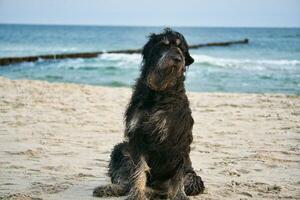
(139,180)
(166,41)
(178,42)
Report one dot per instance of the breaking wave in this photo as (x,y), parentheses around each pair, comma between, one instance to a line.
(123,60)
(244,63)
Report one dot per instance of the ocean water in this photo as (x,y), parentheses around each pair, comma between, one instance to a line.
(269,64)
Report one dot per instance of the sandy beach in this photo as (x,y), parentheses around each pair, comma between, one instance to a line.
(55,141)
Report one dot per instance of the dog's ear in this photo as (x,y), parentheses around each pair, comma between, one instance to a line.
(188,59)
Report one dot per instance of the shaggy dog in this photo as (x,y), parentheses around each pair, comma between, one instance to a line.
(153,162)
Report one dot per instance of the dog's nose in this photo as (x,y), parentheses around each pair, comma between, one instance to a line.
(176,58)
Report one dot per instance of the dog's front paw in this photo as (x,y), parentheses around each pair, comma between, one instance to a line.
(193,184)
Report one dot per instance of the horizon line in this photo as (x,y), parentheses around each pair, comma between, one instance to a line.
(146,26)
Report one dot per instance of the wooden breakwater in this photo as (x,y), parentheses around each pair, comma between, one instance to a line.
(14,60)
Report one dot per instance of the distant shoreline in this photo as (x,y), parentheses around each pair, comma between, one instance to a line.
(152,26)
(117,85)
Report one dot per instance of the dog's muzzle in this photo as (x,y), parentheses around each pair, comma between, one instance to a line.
(173,59)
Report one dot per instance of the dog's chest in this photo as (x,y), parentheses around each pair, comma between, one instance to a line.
(159,126)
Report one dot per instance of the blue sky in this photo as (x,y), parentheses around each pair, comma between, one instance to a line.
(245,13)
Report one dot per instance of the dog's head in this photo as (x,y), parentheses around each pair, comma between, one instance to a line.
(165,57)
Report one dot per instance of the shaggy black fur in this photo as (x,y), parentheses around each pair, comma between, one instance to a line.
(153,162)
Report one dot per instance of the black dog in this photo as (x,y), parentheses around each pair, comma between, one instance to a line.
(153,162)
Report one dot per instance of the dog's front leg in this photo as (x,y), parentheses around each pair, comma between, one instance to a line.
(181,195)
(138,179)
(178,185)
(193,184)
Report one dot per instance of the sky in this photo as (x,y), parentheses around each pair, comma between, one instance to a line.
(212,13)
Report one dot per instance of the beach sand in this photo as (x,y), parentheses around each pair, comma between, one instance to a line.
(55,141)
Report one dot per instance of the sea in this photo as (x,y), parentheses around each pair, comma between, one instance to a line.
(270,63)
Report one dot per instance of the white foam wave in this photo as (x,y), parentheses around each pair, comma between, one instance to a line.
(227,62)
(134,60)
(103,60)
(122,59)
